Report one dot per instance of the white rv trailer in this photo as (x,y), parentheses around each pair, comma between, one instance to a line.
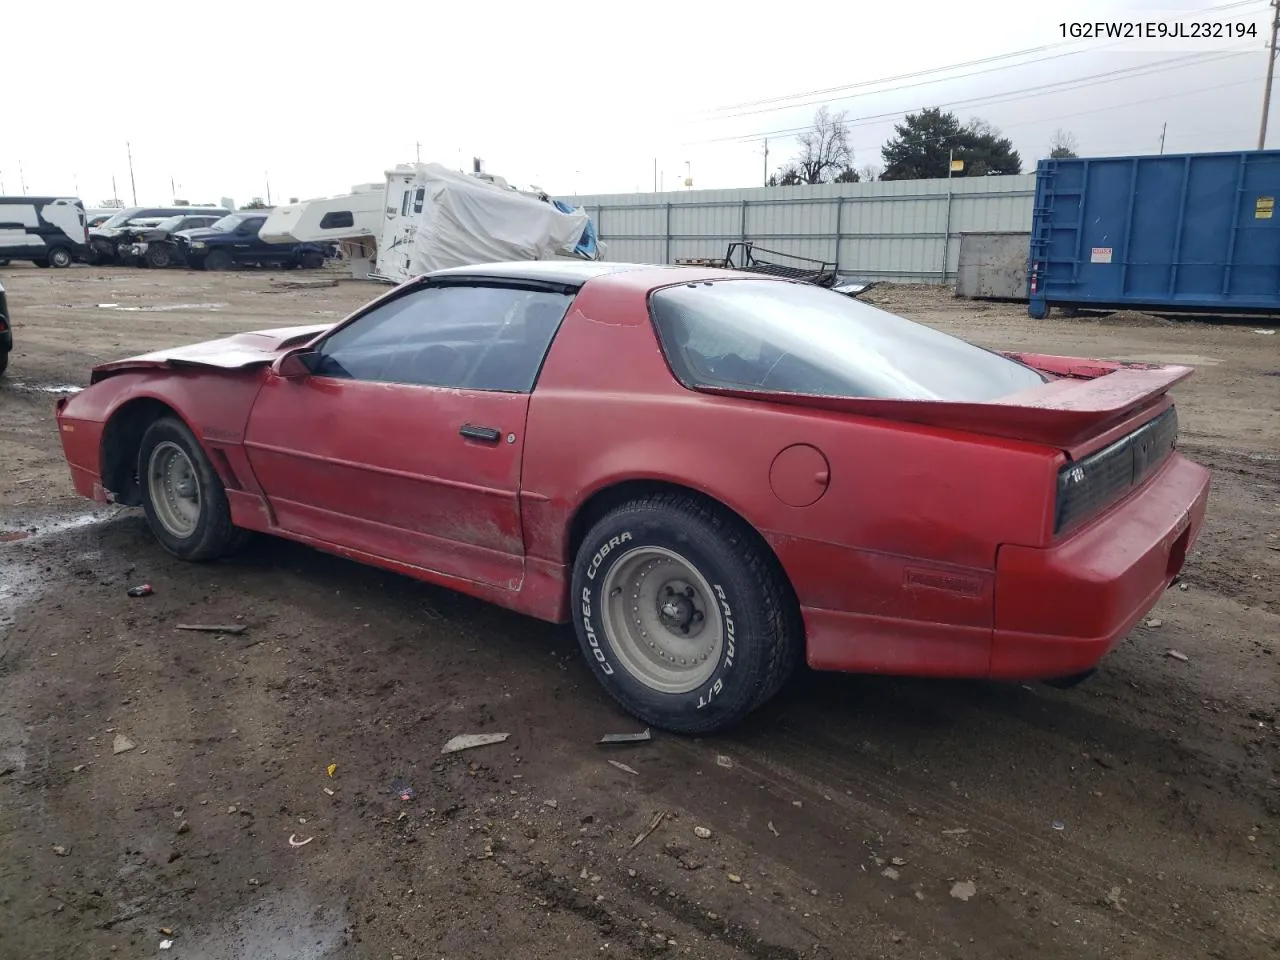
(352,220)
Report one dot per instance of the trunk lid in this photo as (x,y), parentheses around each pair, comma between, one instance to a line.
(1079,409)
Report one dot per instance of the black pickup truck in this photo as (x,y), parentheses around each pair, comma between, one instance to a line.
(6,331)
(234,241)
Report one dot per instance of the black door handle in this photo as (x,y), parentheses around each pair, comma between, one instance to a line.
(483,434)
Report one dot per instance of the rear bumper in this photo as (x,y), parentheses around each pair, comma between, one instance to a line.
(1060,610)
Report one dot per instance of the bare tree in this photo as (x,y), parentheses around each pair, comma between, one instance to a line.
(870,172)
(824,148)
(1063,145)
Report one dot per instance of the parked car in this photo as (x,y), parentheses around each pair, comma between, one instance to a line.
(234,240)
(104,241)
(711,474)
(48,231)
(154,246)
(6,331)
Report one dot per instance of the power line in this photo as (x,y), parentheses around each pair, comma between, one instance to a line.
(1022,94)
(933,70)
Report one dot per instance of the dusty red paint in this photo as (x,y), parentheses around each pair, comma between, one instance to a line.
(930,550)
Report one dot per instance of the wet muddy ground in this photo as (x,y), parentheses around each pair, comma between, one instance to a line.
(1134,816)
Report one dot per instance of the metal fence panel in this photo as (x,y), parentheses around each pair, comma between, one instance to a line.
(904,230)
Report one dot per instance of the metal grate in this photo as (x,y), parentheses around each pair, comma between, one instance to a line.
(1086,487)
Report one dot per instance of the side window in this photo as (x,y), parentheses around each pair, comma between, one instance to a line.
(404,203)
(466,337)
(337,218)
(417,199)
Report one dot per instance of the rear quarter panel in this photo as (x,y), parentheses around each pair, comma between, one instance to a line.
(909,524)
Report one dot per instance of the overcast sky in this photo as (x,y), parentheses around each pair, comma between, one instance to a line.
(575,97)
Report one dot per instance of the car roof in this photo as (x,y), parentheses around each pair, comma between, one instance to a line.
(554,271)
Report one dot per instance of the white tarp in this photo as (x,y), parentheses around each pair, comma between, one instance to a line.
(465,220)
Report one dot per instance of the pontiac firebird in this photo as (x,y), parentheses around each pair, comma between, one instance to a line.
(712,475)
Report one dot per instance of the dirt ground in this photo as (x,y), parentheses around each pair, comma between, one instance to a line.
(1134,816)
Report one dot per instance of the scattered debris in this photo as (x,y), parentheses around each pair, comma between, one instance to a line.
(648,831)
(166,931)
(624,768)
(332,768)
(1113,898)
(1184,586)
(963,889)
(142,590)
(78,767)
(702,833)
(1058,825)
(166,944)
(723,761)
(642,737)
(295,842)
(328,791)
(551,803)
(122,744)
(14,536)
(235,628)
(773,829)
(898,862)
(1266,333)
(1177,655)
(797,803)
(303,284)
(184,827)
(889,872)
(62,851)
(467,741)
(734,878)
(402,789)
(1155,624)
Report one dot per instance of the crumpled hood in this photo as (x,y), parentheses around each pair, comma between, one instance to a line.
(237,352)
(200,233)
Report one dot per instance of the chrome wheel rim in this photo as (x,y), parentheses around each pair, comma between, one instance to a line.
(662,620)
(174,488)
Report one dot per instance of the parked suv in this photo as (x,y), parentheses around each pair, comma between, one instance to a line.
(154,246)
(234,240)
(104,241)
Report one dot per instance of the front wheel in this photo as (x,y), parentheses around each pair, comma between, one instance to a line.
(157,256)
(218,260)
(683,614)
(183,497)
(60,257)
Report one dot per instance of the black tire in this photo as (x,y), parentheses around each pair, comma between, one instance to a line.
(157,256)
(60,257)
(195,263)
(761,633)
(218,260)
(312,261)
(4,261)
(213,535)
(42,263)
(4,361)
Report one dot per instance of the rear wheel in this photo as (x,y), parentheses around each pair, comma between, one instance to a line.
(185,502)
(682,613)
(60,257)
(312,261)
(218,260)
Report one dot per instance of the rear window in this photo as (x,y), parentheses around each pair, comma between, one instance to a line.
(779,337)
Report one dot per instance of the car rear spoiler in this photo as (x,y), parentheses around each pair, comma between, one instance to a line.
(1083,399)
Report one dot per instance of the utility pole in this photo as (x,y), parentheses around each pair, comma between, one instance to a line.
(1271,72)
(655,174)
(766,162)
(267,177)
(22,178)
(132,183)
(115,194)
(1163,130)
(418,148)
(173,190)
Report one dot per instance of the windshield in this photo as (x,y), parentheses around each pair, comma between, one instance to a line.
(229,223)
(780,337)
(120,219)
(170,223)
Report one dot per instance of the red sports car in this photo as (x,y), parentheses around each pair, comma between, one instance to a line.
(711,474)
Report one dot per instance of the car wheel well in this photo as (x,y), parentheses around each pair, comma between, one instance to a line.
(602,501)
(121,439)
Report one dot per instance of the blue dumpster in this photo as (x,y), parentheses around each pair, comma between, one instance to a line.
(1195,232)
